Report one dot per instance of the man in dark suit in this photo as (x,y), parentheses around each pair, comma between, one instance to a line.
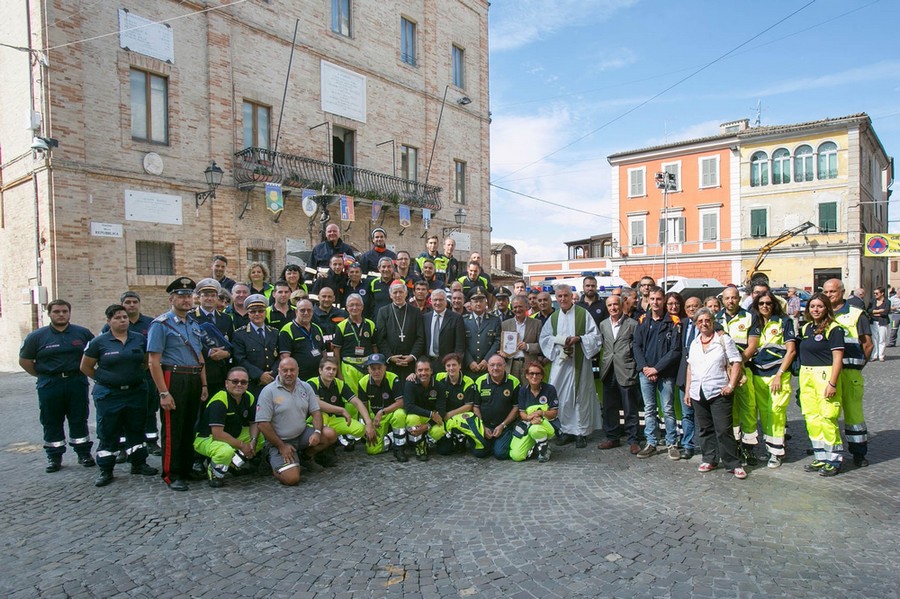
(618,373)
(451,333)
(482,336)
(256,345)
(528,348)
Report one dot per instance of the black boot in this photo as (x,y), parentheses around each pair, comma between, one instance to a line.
(54,463)
(104,478)
(144,468)
(400,453)
(87,460)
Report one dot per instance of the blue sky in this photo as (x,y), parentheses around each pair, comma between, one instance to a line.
(560,69)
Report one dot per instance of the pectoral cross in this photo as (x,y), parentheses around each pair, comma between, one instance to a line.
(402,336)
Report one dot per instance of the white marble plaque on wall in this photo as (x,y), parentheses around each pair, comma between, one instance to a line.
(152,207)
(463,244)
(146,37)
(343,92)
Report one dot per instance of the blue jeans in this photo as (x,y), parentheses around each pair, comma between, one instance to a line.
(666,389)
(687,425)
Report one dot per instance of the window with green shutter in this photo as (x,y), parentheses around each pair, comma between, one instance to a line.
(828,217)
(758,226)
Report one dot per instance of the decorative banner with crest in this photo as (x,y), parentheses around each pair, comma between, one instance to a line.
(309,204)
(376,210)
(274,198)
(426,217)
(405,219)
(347,210)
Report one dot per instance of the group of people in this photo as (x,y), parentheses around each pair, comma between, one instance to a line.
(415,356)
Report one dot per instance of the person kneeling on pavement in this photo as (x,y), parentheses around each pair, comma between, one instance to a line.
(456,396)
(423,421)
(227,433)
(281,413)
(495,405)
(342,410)
(538,408)
(382,393)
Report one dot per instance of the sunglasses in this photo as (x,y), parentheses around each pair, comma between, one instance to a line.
(764,303)
(238,381)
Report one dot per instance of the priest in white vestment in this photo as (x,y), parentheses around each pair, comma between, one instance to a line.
(569,340)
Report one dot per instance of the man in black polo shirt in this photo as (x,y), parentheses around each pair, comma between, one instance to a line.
(303,340)
(115,360)
(496,403)
(53,354)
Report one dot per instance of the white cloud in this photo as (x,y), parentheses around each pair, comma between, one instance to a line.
(688,132)
(518,23)
(872,72)
(616,59)
(579,181)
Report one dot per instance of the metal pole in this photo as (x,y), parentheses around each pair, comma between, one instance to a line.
(287,78)
(665,230)
(436,131)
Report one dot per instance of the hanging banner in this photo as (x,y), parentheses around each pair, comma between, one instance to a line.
(882,246)
(405,220)
(376,210)
(426,217)
(347,211)
(274,198)
(309,204)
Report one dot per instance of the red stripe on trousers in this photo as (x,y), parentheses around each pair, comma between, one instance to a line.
(167,446)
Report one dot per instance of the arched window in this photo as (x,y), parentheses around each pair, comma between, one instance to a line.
(579,252)
(759,169)
(781,166)
(827,160)
(803,164)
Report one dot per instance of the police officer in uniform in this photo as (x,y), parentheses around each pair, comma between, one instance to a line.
(116,360)
(140,323)
(482,336)
(218,359)
(255,346)
(303,340)
(177,366)
(53,355)
(382,392)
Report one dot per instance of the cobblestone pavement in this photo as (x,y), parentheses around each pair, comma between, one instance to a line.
(587,524)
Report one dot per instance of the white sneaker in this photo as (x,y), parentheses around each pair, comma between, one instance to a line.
(774,461)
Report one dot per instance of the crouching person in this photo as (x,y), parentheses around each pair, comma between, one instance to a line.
(538,408)
(226,431)
(455,398)
(423,421)
(281,413)
(382,394)
(341,409)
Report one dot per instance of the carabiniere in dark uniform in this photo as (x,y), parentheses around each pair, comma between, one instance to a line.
(256,345)
(53,354)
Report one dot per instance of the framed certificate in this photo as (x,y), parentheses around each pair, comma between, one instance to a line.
(510,341)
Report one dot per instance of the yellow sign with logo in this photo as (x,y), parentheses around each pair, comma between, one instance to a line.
(882,246)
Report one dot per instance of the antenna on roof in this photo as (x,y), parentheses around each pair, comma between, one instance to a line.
(758,121)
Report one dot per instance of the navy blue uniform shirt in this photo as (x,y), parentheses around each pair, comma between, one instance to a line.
(117,363)
(55,352)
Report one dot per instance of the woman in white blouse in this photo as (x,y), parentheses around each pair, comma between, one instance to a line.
(714,368)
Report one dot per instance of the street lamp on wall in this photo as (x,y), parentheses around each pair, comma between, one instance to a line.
(460,217)
(213,176)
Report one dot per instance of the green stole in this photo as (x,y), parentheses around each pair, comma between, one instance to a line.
(580,322)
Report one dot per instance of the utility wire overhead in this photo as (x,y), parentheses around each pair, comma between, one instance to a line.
(661,93)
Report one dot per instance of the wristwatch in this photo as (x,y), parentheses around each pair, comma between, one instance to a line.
(163,394)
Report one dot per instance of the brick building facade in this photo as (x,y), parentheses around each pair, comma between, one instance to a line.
(385,102)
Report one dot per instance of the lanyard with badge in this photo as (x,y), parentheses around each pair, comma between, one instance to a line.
(304,336)
(359,350)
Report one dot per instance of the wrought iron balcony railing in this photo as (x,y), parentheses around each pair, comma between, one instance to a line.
(258,165)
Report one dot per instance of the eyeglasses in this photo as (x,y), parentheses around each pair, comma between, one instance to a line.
(763,303)
(534,374)
(238,381)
